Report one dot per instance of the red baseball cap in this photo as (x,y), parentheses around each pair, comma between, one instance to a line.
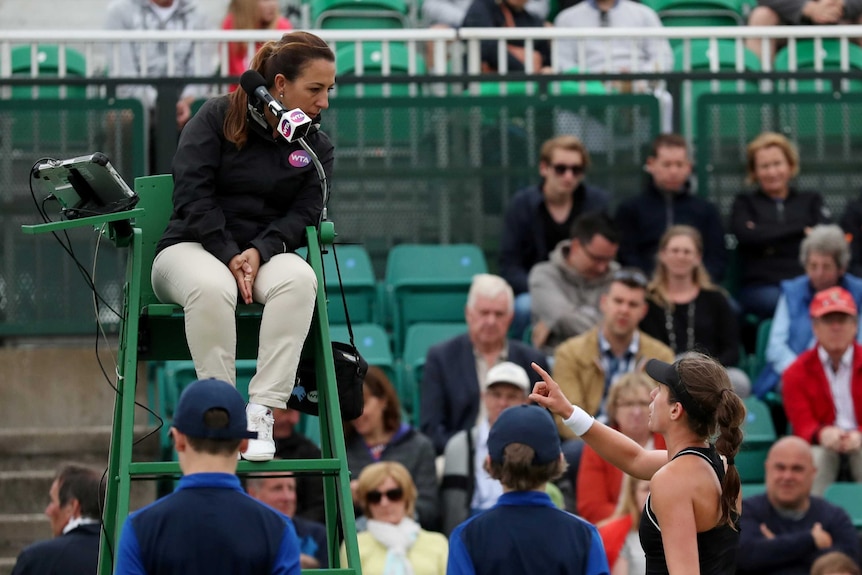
(833,300)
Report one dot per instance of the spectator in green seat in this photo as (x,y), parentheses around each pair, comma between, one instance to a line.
(687,311)
(825,255)
(380,434)
(796,12)
(771,222)
(783,530)
(822,389)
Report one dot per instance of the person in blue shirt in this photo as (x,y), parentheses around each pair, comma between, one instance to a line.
(524,532)
(208,526)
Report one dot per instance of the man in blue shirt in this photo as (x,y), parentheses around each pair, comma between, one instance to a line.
(524,532)
(208,526)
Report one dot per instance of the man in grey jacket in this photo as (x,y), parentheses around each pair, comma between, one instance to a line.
(151,59)
(565,291)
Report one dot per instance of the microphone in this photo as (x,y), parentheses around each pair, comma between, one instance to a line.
(254,85)
(292,124)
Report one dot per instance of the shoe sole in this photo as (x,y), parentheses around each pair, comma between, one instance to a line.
(257,458)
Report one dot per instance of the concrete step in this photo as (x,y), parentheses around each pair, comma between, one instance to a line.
(18,531)
(6,565)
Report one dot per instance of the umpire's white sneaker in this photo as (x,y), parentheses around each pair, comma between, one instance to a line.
(260,419)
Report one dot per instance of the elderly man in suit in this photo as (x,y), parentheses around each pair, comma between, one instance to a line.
(453,369)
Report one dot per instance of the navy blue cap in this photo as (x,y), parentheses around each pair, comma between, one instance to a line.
(205,394)
(528,424)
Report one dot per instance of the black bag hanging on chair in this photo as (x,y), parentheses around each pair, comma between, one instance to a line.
(350,369)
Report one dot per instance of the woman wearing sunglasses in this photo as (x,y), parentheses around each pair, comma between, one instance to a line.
(394,543)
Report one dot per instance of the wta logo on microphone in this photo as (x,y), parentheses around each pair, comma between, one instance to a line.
(294,124)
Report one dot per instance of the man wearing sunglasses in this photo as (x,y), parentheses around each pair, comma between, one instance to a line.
(541,216)
(565,290)
(668,200)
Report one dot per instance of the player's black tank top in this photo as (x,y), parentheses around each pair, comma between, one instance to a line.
(716,548)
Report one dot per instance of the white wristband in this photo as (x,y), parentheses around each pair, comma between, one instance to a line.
(579,421)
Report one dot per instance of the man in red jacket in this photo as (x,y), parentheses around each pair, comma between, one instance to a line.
(822,389)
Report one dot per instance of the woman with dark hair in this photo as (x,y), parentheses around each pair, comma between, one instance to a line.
(690,520)
(380,434)
(243,197)
(686,310)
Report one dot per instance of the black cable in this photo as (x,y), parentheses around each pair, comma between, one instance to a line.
(67,246)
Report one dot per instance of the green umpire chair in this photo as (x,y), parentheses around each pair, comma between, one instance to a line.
(153,331)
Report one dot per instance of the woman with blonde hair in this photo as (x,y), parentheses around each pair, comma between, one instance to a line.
(770,222)
(394,544)
(686,310)
(599,483)
(250,15)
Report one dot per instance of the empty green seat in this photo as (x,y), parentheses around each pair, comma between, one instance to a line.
(759,361)
(372,59)
(429,283)
(420,337)
(170,378)
(372,342)
(359,14)
(47,65)
(699,12)
(848,496)
(751,489)
(758,436)
(358,281)
(808,58)
(704,56)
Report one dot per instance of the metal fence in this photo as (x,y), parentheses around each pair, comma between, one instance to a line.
(422,155)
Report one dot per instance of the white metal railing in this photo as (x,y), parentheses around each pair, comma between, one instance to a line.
(454,51)
(101,47)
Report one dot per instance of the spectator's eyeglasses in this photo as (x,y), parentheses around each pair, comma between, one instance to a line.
(393,495)
(576,169)
(632,278)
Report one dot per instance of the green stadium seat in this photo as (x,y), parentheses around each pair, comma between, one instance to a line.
(358,281)
(359,14)
(429,283)
(704,57)
(758,437)
(170,378)
(848,496)
(750,489)
(47,62)
(360,286)
(372,62)
(699,12)
(807,58)
(420,337)
(373,343)
(520,88)
(759,361)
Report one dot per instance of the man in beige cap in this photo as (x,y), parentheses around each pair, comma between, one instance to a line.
(467,488)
